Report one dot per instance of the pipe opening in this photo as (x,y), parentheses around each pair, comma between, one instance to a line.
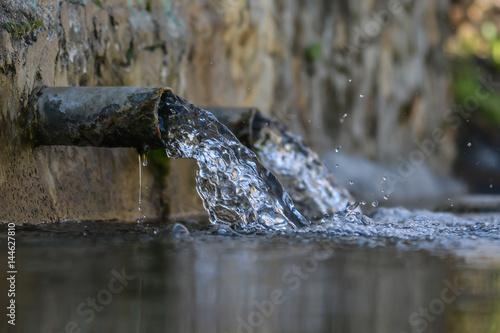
(98,117)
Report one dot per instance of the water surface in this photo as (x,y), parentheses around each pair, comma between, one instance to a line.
(187,279)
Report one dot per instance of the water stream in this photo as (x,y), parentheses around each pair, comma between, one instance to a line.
(234,185)
(313,188)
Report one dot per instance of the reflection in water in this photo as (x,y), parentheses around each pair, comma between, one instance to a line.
(199,282)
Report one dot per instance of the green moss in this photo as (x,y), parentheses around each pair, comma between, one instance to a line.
(37,24)
(158,159)
(159,162)
(148,7)
(23,28)
(313,52)
(466,84)
(98,3)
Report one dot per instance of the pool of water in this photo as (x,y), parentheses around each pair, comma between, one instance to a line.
(156,277)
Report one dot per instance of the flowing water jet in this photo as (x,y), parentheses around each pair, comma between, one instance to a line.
(234,185)
(313,188)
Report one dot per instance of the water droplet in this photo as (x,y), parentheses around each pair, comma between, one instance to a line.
(140,208)
(351,182)
(336,165)
(345,115)
(352,207)
(361,95)
(384,178)
(386,197)
(338,149)
(178,228)
(375,204)
(350,80)
(491,185)
(145,161)
(341,120)
(155,231)
(363,203)
(469,144)
(145,216)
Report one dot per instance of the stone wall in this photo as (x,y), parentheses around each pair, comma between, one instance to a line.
(304,62)
(309,62)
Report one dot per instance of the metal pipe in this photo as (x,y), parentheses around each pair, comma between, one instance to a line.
(98,117)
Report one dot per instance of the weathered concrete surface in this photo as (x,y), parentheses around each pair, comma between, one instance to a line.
(290,58)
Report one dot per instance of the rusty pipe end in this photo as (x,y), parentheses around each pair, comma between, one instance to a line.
(97,117)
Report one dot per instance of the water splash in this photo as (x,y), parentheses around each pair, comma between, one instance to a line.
(313,188)
(420,229)
(234,185)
